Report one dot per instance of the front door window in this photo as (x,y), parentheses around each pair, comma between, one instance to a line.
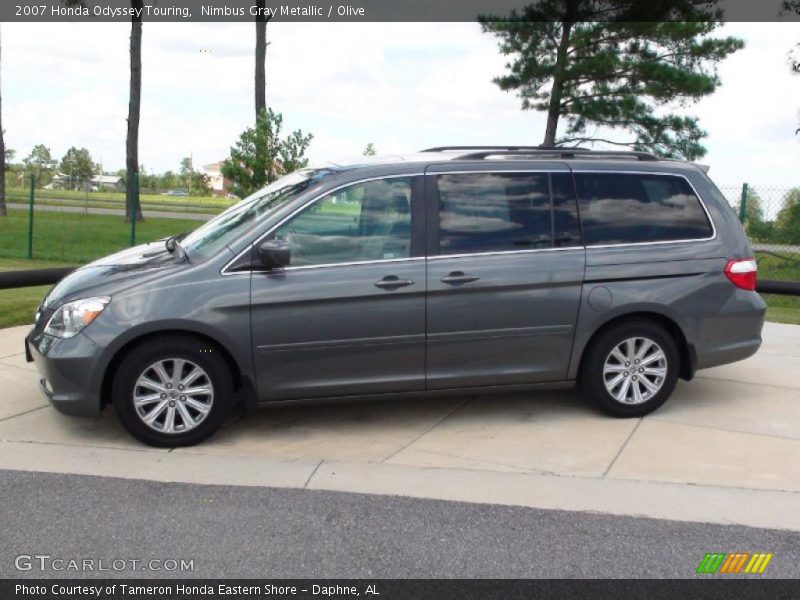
(368,221)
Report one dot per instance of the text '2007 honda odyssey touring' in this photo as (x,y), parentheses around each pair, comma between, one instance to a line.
(452,270)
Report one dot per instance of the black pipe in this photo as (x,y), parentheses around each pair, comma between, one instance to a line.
(20,279)
(786,288)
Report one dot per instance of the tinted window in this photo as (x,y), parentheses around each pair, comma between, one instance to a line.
(566,227)
(623,208)
(364,222)
(494,212)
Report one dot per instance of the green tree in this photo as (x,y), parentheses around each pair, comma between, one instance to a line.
(261,58)
(77,163)
(614,64)
(260,156)
(757,228)
(147,181)
(790,198)
(40,163)
(370,150)
(10,169)
(787,224)
(15,172)
(794,61)
(199,184)
(186,171)
(754,211)
(261,70)
(134,107)
(168,181)
(194,182)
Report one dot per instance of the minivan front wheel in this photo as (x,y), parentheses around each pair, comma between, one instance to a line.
(631,369)
(172,392)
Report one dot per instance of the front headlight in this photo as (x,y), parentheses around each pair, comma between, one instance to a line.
(72,317)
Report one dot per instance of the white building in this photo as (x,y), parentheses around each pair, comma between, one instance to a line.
(111,183)
(216,181)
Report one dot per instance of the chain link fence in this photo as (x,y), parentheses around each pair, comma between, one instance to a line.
(75,226)
(771,218)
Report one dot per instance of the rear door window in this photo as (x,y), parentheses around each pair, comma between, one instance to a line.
(494,212)
(622,208)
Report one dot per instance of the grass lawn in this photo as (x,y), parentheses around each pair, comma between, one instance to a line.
(782,309)
(17,306)
(76,238)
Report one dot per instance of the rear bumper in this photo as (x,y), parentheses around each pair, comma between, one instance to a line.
(734,333)
(67,370)
(722,355)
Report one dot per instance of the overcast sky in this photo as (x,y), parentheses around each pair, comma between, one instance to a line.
(403,87)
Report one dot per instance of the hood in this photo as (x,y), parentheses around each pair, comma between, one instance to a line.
(114,273)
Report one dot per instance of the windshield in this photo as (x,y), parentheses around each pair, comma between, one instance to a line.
(244,216)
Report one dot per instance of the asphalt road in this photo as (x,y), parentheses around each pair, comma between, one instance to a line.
(281,533)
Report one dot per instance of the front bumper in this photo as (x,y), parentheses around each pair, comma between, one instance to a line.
(68,371)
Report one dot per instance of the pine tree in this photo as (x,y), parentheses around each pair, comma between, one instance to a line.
(614,64)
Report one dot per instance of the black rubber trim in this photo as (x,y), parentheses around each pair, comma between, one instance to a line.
(642,278)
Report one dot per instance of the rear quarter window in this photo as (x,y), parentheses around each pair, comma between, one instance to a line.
(621,208)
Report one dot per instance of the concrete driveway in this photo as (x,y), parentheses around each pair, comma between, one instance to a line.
(724,449)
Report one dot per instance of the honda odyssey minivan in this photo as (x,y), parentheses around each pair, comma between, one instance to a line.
(454,270)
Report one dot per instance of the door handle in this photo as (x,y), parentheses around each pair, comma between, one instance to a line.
(392,282)
(457,277)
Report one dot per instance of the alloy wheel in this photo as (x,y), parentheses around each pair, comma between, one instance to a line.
(173,395)
(635,370)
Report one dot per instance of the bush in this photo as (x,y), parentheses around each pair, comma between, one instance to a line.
(788,228)
(761,231)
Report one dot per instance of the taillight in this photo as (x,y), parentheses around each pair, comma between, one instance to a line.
(742,272)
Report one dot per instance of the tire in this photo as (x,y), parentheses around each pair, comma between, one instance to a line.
(604,375)
(183,420)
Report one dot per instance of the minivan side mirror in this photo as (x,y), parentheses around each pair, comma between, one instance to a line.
(274,254)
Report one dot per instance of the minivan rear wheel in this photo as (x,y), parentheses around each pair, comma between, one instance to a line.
(172,392)
(631,369)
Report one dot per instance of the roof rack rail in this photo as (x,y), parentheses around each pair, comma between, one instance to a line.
(483,152)
(509,148)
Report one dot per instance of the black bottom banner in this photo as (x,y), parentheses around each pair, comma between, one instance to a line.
(391,589)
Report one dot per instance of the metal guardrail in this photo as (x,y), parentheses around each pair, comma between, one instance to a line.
(20,279)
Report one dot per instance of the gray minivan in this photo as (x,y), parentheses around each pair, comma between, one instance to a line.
(451,271)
